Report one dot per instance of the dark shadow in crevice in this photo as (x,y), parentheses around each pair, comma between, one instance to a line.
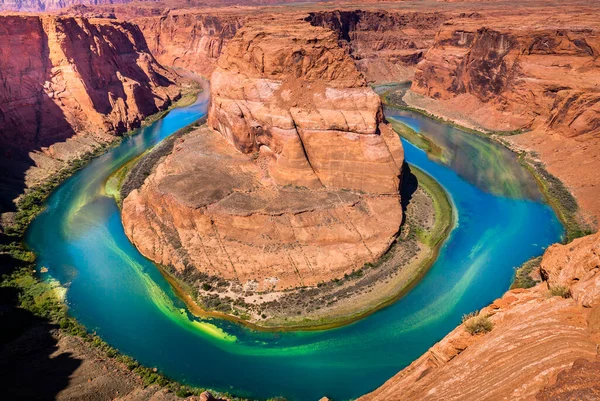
(408,187)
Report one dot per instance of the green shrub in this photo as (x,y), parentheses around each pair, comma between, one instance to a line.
(476,323)
(560,291)
(523,274)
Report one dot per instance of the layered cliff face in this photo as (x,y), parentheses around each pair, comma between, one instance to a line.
(67,84)
(386,45)
(534,73)
(189,40)
(294,181)
(541,346)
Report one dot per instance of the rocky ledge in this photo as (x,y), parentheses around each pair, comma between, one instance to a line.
(542,342)
(293,182)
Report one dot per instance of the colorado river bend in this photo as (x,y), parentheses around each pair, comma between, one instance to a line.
(501,221)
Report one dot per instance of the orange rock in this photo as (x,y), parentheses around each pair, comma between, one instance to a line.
(287,90)
(301,185)
(68,85)
(532,71)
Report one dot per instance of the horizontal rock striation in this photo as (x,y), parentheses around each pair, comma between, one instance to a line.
(208,209)
(66,85)
(294,96)
(293,182)
(189,40)
(386,45)
(536,339)
(534,73)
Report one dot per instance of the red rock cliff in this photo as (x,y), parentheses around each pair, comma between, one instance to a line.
(538,73)
(385,45)
(66,83)
(190,40)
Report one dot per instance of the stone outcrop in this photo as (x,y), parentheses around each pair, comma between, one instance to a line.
(68,85)
(386,45)
(536,73)
(293,182)
(190,40)
(295,97)
(535,350)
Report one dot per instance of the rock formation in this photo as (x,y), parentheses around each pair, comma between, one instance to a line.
(306,108)
(189,40)
(293,182)
(386,45)
(67,84)
(534,73)
(535,336)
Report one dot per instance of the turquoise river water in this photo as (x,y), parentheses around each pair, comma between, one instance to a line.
(113,290)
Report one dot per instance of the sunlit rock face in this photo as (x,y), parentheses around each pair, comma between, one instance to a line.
(536,348)
(386,45)
(68,85)
(293,182)
(289,92)
(537,73)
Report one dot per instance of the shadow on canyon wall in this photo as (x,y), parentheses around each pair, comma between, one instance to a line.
(29,118)
(409,185)
(28,371)
(34,95)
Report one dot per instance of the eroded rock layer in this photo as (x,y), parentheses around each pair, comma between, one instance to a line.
(293,182)
(535,336)
(290,93)
(190,40)
(386,45)
(209,207)
(535,73)
(66,85)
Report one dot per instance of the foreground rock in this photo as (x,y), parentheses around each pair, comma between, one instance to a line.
(535,336)
(67,86)
(295,180)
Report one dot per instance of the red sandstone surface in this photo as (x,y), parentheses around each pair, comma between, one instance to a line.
(538,74)
(68,85)
(300,176)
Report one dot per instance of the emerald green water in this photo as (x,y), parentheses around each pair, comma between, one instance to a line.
(116,292)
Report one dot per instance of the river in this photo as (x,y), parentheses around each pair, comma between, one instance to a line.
(113,290)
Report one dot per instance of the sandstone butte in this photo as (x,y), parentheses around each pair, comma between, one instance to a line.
(295,179)
(68,85)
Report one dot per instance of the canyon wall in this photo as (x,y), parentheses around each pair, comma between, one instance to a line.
(300,176)
(538,74)
(68,85)
(542,346)
(386,45)
(189,40)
